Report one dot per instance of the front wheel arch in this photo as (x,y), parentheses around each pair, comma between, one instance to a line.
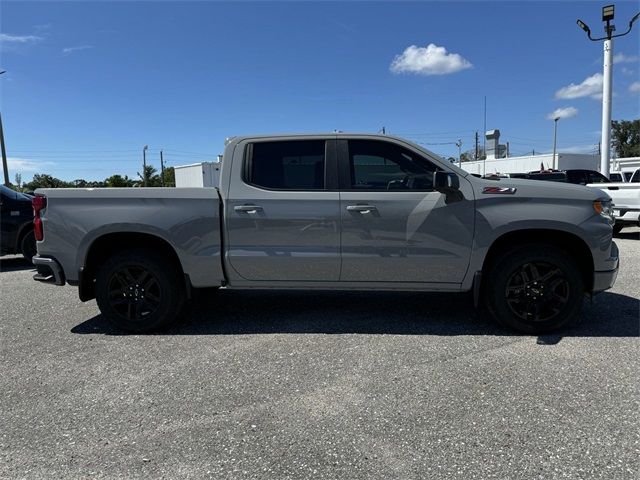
(571,244)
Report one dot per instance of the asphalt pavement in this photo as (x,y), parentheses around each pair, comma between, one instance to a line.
(327,385)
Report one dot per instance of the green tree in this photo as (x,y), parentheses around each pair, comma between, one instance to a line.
(18,181)
(118,181)
(469,155)
(169,177)
(42,180)
(151,176)
(626,138)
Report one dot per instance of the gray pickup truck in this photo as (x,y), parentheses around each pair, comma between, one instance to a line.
(332,211)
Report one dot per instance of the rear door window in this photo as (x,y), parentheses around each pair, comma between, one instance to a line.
(286,165)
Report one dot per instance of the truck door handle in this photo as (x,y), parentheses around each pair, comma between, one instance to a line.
(248,208)
(361,208)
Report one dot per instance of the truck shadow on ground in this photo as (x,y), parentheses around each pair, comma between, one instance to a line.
(14,263)
(236,312)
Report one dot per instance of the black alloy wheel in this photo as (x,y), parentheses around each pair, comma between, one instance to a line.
(134,292)
(537,291)
(534,288)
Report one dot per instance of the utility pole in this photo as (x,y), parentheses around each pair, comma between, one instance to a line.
(484,134)
(161,169)
(476,155)
(5,166)
(555,136)
(459,145)
(144,165)
(607,70)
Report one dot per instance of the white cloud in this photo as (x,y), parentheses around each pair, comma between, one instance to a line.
(432,60)
(68,50)
(566,112)
(590,87)
(622,58)
(6,38)
(634,87)
(18,165)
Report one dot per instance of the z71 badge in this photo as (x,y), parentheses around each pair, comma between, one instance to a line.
(499,190)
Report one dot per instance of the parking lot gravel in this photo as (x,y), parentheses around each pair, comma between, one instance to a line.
(331,385)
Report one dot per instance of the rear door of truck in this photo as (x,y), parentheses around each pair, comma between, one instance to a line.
(283,210)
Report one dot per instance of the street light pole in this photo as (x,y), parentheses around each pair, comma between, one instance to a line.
(555,137)
(144,165)
(607,70)
(605,151)
(459,144)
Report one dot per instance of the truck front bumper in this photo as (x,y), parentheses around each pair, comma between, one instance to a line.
(604,280)
(49,270)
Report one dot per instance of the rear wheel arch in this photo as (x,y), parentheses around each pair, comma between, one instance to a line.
(107,245)
(23,232)
(573,245)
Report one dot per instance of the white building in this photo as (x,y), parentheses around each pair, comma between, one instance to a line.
(205,174)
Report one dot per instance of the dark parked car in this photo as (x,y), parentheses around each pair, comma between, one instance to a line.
(579,177)
(17,224)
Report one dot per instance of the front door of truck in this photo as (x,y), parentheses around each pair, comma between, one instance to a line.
(283,212)
(395,226)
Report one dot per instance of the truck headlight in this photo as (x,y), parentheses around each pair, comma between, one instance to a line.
(604,208)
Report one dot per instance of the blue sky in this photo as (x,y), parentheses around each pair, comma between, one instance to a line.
(88,84)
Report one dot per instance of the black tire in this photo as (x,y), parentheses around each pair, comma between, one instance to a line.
(28,246)
(534,289)
(617,228)
(139,291)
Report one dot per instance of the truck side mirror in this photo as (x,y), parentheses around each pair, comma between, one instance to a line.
(443,181)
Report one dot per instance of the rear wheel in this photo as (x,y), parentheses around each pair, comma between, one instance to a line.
(534,289)
(139,291)
(28,246)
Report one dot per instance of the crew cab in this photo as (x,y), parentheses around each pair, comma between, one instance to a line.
(331,211)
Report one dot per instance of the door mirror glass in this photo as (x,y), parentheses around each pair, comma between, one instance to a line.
(445,181)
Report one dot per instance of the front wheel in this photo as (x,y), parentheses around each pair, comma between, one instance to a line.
(617,228)
(534,289)
(139,291)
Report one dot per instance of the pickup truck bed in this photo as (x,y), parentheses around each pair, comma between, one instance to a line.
(86,224)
